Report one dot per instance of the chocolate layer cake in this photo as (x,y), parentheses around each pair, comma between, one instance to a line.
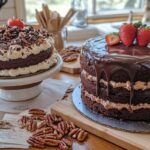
(25,51)
(116,79)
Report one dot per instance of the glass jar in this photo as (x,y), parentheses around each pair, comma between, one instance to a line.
(80,18)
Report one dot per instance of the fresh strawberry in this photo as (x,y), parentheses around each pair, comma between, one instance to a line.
(15,22)
(143,36)
(112,38)
(127,34)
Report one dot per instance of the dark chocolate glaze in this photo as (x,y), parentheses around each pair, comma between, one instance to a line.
(109,59)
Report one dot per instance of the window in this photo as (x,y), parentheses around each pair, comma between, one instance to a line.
(96,8)
(117,5)
(101,7)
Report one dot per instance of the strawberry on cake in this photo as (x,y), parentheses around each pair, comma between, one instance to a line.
(24,51)
(115,73)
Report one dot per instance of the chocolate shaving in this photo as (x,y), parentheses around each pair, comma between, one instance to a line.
(24,37)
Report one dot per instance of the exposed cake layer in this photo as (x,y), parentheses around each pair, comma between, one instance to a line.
(44,65)
(111,105)
(138,85)
(140,112)
(30,60)
(18,43)
(118,94)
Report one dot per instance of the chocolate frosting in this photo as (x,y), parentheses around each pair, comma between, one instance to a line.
(109,59)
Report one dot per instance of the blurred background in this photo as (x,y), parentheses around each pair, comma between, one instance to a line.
(102,16)
(96,8)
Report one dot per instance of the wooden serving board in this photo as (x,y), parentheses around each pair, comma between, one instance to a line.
(71,67)
(131,141)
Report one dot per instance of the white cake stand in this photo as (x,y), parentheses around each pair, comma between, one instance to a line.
(26,88)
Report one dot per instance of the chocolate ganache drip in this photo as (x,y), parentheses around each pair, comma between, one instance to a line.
(106,62)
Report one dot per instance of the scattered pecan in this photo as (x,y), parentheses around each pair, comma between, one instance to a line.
(23,121)
(55,127)
(71,125)
(82,135)
(51,130)
(55,118)
(36,142)
(71,57)
(63,127)
(31,125)
(36,111)
(43,131)
(38,117)
(63,145)
(50,136)
(51,142)
(68,141)
(71,53)
(5,125)
(42,124)
(74,133)
(48,119)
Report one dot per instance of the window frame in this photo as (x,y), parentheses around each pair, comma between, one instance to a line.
(92,18)
(20,9)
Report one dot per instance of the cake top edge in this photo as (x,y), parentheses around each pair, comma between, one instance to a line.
(24,37)
(131,41)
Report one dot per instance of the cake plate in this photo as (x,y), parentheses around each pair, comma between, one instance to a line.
(25,88)
(130,126)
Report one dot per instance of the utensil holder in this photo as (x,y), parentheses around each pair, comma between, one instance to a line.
(60,38)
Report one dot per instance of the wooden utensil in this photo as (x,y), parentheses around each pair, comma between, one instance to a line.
(40,17)
(68,16)
(54,23)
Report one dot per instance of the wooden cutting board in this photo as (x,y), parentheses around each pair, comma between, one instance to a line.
(131,141)
(71,67)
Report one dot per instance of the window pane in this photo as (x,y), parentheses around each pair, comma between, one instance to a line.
(114,5)
(61,6)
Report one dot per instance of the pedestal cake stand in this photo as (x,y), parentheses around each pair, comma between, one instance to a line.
(25,88)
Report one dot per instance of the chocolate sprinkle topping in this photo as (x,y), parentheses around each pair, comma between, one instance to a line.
(23,37)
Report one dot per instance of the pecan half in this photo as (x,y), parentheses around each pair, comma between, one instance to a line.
(5,125)
(36,111)
(63,127)
(71,57)
(82,135)
(43,131)
(31,125)
(36,142)
(74,132)
(48,119)
(68,141)
(42,124)
(63,145)
(71,125)
(38,117)
(55,118)
(23,121)
(57,129)
(51,142)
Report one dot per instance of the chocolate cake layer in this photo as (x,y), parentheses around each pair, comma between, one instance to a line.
(120,95)
(137,115)
(30,60)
